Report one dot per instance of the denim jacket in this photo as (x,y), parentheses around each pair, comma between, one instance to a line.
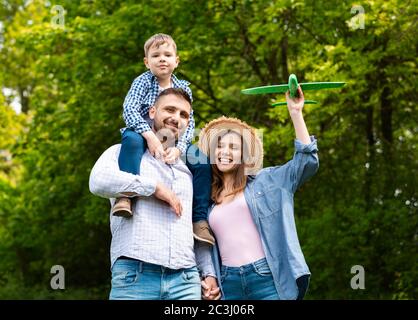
(269,196)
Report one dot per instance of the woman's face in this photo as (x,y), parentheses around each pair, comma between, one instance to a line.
(228,152)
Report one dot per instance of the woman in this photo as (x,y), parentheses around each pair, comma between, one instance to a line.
(257,253)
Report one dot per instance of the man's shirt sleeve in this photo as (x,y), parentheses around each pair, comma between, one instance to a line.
(108,181)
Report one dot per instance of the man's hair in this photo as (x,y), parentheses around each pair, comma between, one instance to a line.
(157,40)
(179,92)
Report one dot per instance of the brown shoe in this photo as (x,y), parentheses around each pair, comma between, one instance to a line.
(202,232)
(122,208)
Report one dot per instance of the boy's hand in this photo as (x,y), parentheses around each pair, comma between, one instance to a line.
(172,155)
(295,105)
(166,195)
(154,145)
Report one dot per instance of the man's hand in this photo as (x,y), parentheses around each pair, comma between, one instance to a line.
(210,289)
(166,195)
(295,105)
(172,155)
(154,145)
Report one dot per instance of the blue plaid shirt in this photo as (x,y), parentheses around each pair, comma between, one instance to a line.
(141,96)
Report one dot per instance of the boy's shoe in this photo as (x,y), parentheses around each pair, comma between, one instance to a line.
(202,232)
(122,208)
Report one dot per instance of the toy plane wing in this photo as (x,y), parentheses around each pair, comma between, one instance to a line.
(282,88)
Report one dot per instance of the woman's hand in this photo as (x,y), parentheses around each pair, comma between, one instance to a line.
(295,105)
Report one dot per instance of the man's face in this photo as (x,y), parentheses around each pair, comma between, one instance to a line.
(171,112)
(162,60)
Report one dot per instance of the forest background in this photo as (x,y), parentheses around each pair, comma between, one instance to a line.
(66,66)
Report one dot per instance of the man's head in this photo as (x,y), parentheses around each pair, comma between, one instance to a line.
(171,111)
(161,55)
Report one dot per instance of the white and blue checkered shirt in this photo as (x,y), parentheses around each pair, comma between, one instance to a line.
(154,234)
(142,95)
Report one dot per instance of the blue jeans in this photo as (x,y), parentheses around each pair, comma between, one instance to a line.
(133,148)
(252,281)
(137,280)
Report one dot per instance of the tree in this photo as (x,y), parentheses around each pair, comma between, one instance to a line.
(360,209)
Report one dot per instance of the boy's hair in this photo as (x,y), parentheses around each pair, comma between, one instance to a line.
(157,40)
(178,92)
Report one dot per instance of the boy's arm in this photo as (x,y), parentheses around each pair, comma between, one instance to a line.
(133,112)
(187,137)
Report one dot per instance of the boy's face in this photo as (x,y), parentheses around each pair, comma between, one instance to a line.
(162,60)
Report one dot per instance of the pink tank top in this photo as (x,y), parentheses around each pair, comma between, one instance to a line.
(236,233)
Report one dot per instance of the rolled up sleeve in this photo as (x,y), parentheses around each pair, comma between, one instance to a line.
(305,163)
(294,173)
(108,181)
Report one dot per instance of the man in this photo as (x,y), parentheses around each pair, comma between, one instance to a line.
(152,253)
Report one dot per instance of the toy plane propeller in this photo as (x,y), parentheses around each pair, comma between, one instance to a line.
(292,86)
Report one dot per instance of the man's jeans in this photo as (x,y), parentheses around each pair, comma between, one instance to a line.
(252,281)
(137,280)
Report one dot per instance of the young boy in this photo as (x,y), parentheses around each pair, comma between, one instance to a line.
(161,59)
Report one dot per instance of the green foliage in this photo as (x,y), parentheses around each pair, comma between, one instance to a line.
(361,207)
(338,239)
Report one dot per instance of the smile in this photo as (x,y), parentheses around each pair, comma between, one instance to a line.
(172,125)
(225,160)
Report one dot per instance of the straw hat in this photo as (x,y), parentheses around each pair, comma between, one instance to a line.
(252,148)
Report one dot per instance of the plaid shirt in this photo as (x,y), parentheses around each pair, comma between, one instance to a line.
(142,95)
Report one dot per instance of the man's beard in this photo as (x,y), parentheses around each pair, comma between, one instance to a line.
(166,136)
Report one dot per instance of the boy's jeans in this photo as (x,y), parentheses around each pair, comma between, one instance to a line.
(137,280)
(133,148)
(252,281)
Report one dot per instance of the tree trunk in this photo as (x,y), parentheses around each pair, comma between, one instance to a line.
(368,181)
(24,99)
(386,129)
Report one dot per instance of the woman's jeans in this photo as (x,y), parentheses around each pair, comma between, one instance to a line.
(133,148)
(252,281)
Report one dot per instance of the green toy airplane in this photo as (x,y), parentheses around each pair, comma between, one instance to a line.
(292,86)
